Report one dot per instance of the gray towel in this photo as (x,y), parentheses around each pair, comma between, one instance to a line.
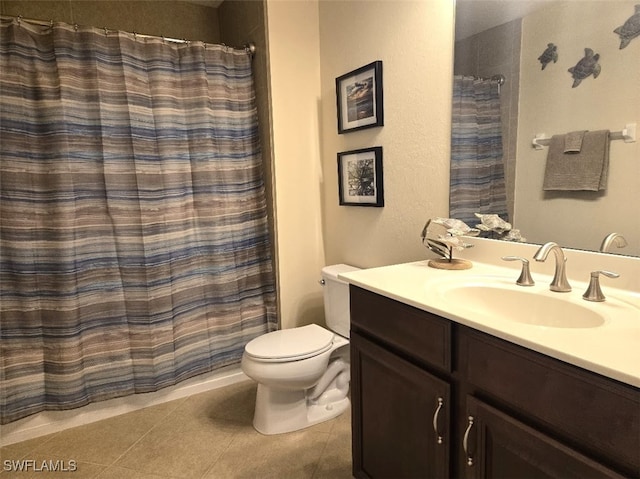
(573,141)
(583,171)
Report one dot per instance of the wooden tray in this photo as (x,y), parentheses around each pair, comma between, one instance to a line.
(454,264)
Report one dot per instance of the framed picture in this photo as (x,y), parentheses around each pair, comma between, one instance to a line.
(359,97)
(360,177)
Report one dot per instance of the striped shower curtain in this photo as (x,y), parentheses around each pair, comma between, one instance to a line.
(134,238)
(477,183)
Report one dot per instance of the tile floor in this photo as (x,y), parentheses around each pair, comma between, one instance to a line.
(205,436)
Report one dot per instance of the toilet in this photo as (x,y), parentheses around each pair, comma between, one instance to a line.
(303,373)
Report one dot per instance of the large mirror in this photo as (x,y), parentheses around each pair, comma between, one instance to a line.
(507,37)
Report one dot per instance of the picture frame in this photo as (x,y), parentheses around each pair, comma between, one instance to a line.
(360,178)
(359,98)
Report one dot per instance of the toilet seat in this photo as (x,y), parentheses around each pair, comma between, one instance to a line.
(290,344)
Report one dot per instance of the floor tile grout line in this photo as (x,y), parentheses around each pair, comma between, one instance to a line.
(133,470)
(34,449)
(157,424)
(213,464)
(326,445)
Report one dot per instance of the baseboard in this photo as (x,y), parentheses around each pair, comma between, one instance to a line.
(48,422)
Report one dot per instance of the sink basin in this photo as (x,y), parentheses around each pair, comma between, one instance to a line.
(521,305)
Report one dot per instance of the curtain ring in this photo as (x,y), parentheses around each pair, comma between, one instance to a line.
(106,31)
(19,19)
(75,27)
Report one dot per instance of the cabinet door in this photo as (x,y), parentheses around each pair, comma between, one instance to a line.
(498,446)
(400,416)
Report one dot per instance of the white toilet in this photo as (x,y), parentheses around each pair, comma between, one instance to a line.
(303,373)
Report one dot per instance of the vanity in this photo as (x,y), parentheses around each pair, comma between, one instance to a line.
(446,383)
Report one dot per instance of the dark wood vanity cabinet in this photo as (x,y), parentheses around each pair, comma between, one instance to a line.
(500,446)
(434,399)
(398,400)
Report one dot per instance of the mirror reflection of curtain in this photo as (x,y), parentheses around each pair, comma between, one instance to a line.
(477,183)
(135,248)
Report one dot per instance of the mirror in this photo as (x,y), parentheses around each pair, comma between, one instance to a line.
(507,37)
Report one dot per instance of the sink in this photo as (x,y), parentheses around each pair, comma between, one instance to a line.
(520,305)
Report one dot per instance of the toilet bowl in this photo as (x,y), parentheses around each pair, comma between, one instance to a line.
(303,373)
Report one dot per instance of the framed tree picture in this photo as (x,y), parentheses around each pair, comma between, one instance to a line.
(359,98)
(360,177)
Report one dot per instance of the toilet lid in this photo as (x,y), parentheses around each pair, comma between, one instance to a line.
(291,344)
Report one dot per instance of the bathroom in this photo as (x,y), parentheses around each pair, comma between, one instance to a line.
(309,45)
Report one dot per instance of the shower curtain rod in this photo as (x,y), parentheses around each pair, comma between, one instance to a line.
(500,78)
(249,47)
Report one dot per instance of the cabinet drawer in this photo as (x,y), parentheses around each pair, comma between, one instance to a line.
(419,334)
(600,415)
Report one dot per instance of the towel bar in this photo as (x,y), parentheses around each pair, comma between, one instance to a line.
(628,134)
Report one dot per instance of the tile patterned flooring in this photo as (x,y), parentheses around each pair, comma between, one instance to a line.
(205,436)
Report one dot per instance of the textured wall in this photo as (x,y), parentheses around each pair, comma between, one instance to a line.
(173,19)
(294,58)
(414,40)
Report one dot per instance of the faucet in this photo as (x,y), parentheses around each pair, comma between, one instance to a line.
(594,292)
(615,239)
(559,283)
(525,278)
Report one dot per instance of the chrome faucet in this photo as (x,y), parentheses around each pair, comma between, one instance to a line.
(559,282)
(615,239)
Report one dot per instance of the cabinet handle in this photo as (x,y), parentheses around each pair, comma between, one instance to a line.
(435,421)
(465,441)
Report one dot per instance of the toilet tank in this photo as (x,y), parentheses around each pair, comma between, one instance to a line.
(336,298)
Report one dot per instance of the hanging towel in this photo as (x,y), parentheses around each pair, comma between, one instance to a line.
(583,171)
(573,141)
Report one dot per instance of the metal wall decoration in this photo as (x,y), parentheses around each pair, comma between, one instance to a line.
(549,55)
(630,29)
(587,66)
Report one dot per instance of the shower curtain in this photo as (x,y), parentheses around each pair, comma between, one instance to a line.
(477,183)
(134,238)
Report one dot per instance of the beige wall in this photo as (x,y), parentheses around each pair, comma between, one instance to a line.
(414,40)
(294,57)
(549,105)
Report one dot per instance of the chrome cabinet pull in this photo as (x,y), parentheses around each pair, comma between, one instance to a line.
(465,441)
(439,438)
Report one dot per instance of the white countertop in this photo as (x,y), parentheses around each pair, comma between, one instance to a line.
(611,349)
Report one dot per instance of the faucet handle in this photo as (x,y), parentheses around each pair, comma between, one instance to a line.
(593,292)
(525,278)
